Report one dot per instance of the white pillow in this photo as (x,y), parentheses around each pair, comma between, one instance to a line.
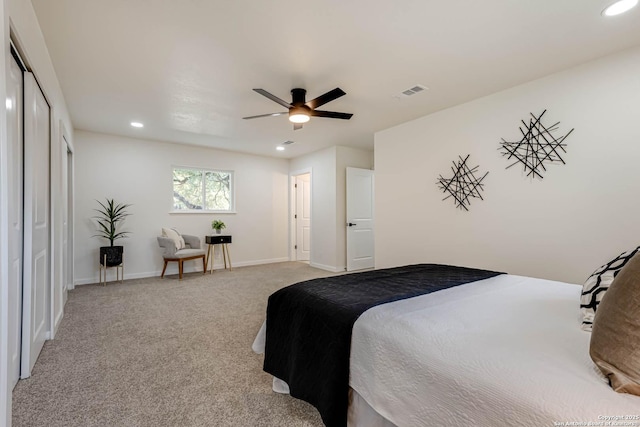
(173,234)
(597,284)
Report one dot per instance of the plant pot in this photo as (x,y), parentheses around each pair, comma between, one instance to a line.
(218,231)
(113,253)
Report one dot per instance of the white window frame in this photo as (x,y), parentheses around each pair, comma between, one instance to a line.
(232,192)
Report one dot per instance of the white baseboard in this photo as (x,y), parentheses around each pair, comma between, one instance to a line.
(256,262)
(327,267)
(56,322)
(92,280)
(173,269)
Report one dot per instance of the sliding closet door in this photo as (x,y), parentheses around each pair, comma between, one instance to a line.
(14,135)
(36,224)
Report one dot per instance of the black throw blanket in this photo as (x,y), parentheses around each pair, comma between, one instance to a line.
(309,327)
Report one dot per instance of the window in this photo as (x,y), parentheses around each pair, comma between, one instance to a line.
(202,190)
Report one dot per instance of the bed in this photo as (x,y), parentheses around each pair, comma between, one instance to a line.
(501,350)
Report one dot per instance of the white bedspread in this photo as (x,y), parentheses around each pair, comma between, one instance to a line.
(505,351)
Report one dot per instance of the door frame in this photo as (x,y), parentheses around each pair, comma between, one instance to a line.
(59,260)
(71,171)
(293,256)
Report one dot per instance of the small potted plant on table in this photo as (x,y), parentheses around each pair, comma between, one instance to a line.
(218,225)
(110,214)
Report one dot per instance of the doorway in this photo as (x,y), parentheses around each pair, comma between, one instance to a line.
(360,219)
(63,258)
(68,283)
(301,216)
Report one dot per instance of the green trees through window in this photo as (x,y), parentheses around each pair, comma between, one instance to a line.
(202,190)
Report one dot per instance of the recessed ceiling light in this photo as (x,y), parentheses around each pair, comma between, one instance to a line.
(619,7)
(137,125)
(280,148)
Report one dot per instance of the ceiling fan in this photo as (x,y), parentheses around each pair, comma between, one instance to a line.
(300,111)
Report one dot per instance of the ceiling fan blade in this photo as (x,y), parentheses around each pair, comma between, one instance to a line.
(266,115)
(327,97)
(297,126)
(331,114)
(273,98)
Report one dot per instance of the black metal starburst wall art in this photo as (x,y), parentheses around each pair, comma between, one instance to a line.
(463,185)
(538,146)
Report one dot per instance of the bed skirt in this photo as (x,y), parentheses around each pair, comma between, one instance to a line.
(361,414)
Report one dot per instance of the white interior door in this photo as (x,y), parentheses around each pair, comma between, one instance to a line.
(360,219)
(37,276)
(14,134)
(303,217)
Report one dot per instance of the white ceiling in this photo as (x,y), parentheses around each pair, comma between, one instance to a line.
(186,68)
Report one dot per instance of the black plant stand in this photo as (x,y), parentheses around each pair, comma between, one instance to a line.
(103,268)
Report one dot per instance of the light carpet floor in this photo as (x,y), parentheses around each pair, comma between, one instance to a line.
(163,352)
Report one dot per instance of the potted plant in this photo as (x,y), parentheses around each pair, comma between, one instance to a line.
(110,214)
(218,225)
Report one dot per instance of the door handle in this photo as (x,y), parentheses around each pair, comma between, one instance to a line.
(351,224)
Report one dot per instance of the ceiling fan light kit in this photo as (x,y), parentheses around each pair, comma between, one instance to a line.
(299,114)
(619,7)
(300,111)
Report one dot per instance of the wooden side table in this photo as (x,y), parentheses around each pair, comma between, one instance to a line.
(218,239)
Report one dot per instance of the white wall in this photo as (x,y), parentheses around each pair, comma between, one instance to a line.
(139,172)
(561,227)
(328,201)
(323,205)
(19,17)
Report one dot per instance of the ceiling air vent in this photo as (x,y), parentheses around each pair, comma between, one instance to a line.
(287,143)
(411,91)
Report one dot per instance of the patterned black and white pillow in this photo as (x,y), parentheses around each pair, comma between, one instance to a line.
(597,284)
